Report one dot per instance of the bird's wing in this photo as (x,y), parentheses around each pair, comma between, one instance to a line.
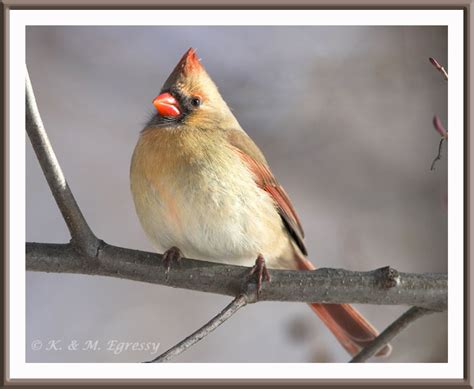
(254,159)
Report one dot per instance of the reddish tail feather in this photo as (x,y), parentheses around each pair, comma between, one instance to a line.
(350,328)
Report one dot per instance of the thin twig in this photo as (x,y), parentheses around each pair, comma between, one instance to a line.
(205,330)
(439,67)
(82,236)
(438,126)
(383,286)
(389,333)
(438,157)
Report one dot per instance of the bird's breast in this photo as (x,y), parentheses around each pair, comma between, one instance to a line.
(205,202)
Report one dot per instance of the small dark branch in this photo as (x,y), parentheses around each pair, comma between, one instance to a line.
(205,330)
(390,332)
(82,236)
(429,290)
(438,157)
(439,67)
(444,136)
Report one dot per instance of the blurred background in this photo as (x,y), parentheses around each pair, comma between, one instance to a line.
(343,115)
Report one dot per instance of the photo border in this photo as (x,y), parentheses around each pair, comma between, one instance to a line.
(248,4)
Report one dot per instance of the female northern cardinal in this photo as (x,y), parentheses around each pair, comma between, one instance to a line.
(203,190)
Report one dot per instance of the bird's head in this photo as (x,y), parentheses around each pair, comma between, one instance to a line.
(189,97)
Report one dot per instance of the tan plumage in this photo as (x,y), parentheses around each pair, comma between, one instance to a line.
(201,184)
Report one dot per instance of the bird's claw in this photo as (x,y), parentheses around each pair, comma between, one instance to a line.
(261,272)
(171,256)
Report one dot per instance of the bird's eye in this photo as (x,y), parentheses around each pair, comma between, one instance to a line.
(195,101)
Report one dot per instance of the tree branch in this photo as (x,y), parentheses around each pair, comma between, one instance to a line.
(239,302)
(389,333)
(438,156)
(382,286)
(82,236)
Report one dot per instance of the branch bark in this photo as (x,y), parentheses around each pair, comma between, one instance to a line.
(383,286)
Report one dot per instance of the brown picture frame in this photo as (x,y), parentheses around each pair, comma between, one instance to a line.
(249,4)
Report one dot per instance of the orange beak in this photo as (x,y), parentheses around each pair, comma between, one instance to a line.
(167,105)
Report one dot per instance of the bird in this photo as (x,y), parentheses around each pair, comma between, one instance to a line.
(203,189)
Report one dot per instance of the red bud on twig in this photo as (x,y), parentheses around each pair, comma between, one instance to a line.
(439,67)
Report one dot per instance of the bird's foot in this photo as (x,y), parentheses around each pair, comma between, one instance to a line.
(171,256)
(260,271)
